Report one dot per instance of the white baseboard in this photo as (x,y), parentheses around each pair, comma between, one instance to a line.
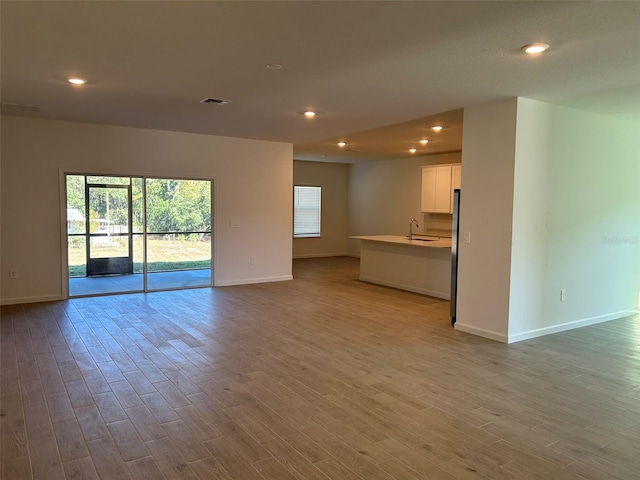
(481,332)
(584,322)
(410,288)
(248,281)
(38,299)
(320,255)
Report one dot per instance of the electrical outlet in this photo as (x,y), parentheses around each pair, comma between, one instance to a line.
(563,294)
(13,273)
(252,260)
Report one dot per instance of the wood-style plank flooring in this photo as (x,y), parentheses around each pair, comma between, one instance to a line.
(323,377)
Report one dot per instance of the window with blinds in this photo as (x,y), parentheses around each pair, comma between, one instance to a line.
(306,211)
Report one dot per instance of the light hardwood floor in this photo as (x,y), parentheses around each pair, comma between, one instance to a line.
(323,377)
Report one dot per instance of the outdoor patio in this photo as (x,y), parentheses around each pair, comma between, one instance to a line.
(83,286)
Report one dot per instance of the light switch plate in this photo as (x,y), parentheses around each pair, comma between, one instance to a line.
(466,237)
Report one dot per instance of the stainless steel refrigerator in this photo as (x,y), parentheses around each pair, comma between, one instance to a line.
(455,232)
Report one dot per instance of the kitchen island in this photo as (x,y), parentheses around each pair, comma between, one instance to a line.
(415,265)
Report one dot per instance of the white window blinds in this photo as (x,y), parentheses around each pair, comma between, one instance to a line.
(306,211)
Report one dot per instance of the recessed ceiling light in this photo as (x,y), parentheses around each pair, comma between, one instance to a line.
(535,48)
(341,144)
(77,81)
(424,141)
(413,150)
(273,66)
(436,128)
(309,114)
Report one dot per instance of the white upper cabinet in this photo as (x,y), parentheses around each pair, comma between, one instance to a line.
(456,180)
(456,177)
(438,182)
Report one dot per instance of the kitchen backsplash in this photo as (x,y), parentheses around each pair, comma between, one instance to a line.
(437,224)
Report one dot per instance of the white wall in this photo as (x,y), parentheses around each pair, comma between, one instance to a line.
(334,180)
(576,219)
(486,211)
(384,196)
(551,196)
(253,185)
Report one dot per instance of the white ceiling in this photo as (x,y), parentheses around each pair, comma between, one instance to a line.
(378,73)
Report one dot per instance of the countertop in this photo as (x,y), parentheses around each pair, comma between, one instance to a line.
(443,242)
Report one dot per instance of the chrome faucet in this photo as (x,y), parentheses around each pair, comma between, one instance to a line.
(410,236)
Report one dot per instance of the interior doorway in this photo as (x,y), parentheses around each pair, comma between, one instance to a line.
(137,234)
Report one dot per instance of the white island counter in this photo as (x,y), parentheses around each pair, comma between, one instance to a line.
(414,265)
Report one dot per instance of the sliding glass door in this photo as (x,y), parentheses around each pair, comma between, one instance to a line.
(178,233)
(136,234)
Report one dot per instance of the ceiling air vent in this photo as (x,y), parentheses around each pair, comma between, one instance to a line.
(17,108)
(215,101)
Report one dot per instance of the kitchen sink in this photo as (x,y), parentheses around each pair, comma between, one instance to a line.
(426,239)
